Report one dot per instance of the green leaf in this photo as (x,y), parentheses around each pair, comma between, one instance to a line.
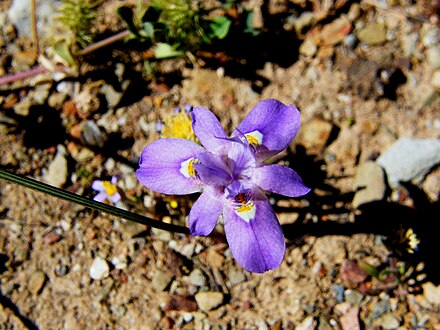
(62,48)
(148,29)
(127,16)
(220,26)
(163,50)
(370,270)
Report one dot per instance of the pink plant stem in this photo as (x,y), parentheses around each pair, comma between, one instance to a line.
(41,69)
(22,75)
(103,43)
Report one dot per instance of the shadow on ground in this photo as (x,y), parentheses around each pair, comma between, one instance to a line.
(388,219)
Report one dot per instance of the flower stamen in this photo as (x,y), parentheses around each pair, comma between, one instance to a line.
(244,206)
(187,168)
(254,138)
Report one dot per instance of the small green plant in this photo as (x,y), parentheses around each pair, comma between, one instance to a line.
(175,26)
(77,16)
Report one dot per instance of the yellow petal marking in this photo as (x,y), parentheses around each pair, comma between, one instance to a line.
(244,207)
(187,168)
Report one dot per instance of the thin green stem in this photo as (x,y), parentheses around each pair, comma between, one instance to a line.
(72,197)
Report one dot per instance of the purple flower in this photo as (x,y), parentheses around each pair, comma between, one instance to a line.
(230,173)
(107,190)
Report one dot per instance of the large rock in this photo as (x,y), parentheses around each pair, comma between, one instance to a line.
(369,184)
(20,15)
(409,158)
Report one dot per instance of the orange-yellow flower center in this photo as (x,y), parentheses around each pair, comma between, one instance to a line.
(109,187)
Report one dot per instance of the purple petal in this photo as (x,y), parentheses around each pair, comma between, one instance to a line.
(241,159)
(212,169)
(208,129)
(101,197)
(280,180)
(274,123)
(97,185)
(257,245)
(205,212)
(160,166)
(116,197)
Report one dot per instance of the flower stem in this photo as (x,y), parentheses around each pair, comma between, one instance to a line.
(22,75)
(72,197)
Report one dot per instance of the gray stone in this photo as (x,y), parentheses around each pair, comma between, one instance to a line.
(104,292)
(373,34)
(380,308)
(22,108)
(161,280)
(111,95)
(314,135)
(354,297)
(431,185)
(308,47)
(99,269)
(309,323)
(209,300)
(236,277)
(40,94)
(20,12)
(131,229)
(57,171)
(433,55)
(387,321)
(408,43)
(304,20)
(20,254)
(56,100)
(36,282)
(432,293)
(324,324)
(118,310)
(369,184)
(409,158)
(197,278)
(435,79)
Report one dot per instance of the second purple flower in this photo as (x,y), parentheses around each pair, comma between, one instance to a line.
(230,173)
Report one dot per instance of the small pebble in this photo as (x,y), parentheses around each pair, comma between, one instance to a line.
(435,79)
(120,262)
(197,278)
(36,282)
(105,291)
(209,300)
(99,269)
(354,297)
(161,280)
(118,310)
(339,292)
(61,270)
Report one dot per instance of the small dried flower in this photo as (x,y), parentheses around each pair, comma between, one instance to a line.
(107,190)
